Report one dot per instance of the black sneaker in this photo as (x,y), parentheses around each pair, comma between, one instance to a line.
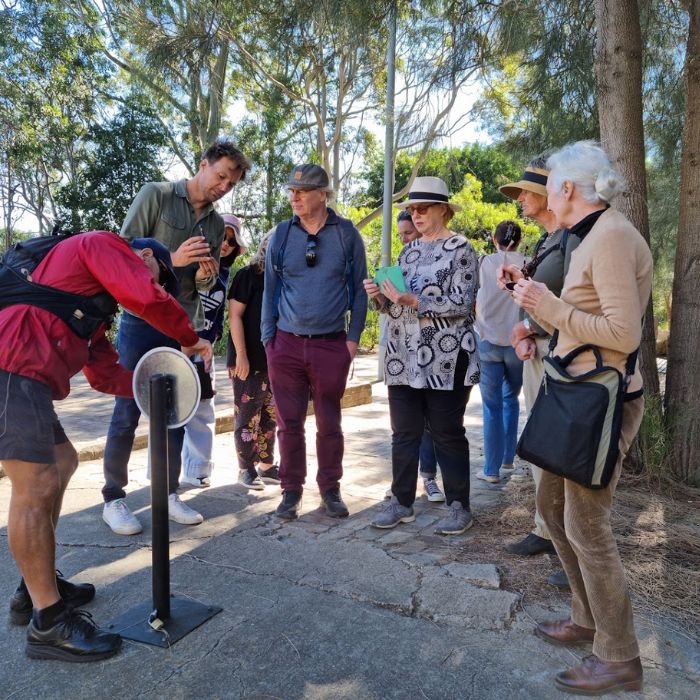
(559,580)
(334,503)
(74,595)
(74,637)
(270,475)
(288,509)
(532,544)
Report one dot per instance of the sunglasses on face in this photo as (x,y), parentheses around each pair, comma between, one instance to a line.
(419,209)
(311,254)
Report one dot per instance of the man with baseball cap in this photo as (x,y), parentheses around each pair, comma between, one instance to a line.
(314,309)
(39,354)
(531,342)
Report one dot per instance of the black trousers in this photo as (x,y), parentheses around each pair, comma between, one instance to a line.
(443,412)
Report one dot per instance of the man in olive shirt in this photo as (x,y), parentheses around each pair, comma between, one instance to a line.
(180,215)
(549,265)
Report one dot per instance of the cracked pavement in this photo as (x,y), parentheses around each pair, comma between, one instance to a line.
(317,608)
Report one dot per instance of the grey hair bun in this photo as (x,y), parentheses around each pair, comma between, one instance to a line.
(608,184)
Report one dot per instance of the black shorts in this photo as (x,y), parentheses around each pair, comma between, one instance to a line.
(29,427)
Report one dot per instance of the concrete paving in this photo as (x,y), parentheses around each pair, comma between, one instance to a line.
(317,608)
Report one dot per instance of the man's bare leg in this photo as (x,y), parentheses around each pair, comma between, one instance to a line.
(66,462)
(36,491)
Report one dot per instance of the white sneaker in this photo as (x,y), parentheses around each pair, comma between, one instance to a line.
(491,478)
(201,482)
(432,491)
(181,513)
(389,493)
(118,516)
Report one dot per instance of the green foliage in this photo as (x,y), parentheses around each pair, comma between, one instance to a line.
(119,158)
(491,165)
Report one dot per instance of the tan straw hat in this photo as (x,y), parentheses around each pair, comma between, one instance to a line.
(534,180)
(428,190)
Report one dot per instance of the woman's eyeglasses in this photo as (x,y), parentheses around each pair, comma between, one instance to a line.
(419,208)
(311,254)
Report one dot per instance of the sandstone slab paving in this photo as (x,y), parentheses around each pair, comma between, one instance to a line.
(317,608)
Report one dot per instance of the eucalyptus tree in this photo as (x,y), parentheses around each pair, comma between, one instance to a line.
(176,52)
(49,95)
(683,383)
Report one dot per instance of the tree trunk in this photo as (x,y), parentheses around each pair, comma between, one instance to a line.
(618,67)
(683,378)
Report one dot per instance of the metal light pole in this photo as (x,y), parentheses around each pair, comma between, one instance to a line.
(387,213)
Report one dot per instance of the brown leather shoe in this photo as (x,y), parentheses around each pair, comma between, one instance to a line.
(597,677)
(564,633)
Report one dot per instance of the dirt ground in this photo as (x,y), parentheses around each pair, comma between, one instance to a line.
(658,533)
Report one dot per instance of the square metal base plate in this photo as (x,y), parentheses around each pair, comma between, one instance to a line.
(185,615)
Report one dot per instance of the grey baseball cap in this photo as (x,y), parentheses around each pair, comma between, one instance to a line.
(309,177)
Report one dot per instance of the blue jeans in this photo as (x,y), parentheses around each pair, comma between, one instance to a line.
(501,380)
(428,461)
(134,339)
(198,444)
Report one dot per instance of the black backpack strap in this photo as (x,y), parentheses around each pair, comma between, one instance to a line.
(347,229)
(278,263)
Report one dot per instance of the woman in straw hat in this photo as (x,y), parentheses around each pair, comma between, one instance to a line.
(431,360)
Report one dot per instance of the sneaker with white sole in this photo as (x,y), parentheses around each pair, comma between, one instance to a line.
(388,493)
(521,473)
(201,482)
(392,514)
(432,491)
(118,516)
(180,512)
(458,521)
(270,474)
(490,478)
(250,481)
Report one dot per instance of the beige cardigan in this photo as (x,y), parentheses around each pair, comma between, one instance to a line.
(605,293)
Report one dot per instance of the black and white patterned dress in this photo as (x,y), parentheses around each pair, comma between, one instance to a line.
(422,344)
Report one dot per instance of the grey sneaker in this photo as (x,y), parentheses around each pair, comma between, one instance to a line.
(250,481)
(521,473)
(270,474)
(432,491)
(458,521)
(392,514)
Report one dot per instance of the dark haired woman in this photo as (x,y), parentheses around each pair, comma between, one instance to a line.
(254,410)
(501,370)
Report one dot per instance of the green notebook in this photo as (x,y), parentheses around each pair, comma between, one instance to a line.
(392,273)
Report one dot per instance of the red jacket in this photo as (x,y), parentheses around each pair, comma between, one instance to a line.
(36,344)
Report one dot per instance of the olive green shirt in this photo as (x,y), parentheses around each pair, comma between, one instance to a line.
(553,268)
(162,211)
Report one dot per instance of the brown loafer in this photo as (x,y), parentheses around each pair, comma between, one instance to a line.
(564,633)
(597,677)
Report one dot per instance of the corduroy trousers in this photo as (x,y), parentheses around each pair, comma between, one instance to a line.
(578,519)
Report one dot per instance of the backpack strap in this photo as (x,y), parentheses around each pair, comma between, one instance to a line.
(348,230)
(277,264)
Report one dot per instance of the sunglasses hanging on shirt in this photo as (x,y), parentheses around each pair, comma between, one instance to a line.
(311,254)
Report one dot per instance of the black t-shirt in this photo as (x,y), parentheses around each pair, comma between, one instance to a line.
(247,288)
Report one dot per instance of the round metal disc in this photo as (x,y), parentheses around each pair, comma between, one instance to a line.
(186,388)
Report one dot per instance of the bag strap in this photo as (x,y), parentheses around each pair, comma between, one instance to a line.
(566,361)
(277,265)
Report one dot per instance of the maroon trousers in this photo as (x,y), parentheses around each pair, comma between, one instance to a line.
(300,368)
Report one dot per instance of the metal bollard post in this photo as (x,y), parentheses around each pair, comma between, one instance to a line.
(160,391)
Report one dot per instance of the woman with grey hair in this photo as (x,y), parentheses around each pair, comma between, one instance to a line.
(605,293)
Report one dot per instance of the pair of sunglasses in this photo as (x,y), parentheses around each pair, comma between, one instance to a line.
(419,208)
(311,254)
